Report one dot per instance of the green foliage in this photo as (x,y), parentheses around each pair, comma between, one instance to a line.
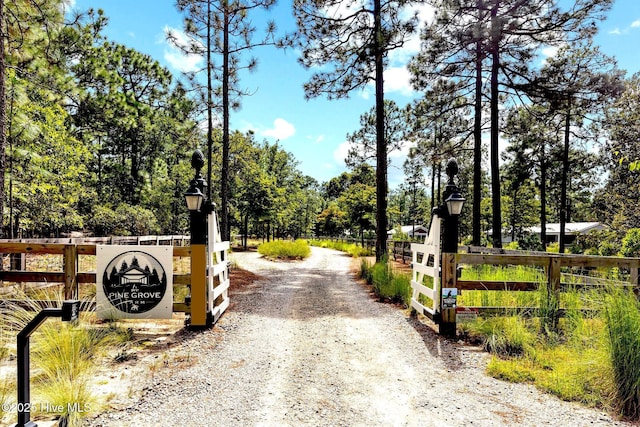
(399,236)
(622,315)
(351,248)
(281,249)
(631,243)
(504,336)
(387,284)
(125,220)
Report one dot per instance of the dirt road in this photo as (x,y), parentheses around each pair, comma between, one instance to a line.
(307,345)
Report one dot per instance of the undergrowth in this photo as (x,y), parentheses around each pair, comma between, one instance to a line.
(591,355)
(64,358)
(387,284)
(351,248)
(285,249)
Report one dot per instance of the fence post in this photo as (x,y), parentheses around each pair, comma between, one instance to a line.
(70,272)
(447,308)
(553,291)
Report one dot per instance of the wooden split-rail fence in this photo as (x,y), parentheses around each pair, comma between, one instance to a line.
(71,250)
(433,272)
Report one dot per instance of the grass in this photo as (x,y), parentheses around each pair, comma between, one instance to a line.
(285,249)
(64,358)
(622,315)
(592,357)
(351,248)
(387,284)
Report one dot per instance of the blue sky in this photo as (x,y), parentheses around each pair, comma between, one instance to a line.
(313,131)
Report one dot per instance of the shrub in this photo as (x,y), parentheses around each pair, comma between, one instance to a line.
(631,243)
(125,220)
(282,249)
(504,336)
(351,248)
(622,316)
(386,283)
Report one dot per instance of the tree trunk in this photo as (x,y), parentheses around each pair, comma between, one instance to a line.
(477,149)
(543,197)
(3,116)
(209,101)
(565,173)
(433,185)
(224,177)
(495,172)
(381,146)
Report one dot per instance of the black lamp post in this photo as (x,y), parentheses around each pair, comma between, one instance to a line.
(450,212)
(199,209)
(197,202)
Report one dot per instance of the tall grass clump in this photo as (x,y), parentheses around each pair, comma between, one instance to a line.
(387,284)
(285,249)
(622,317)
(352,249)
(64,357)
(504,336)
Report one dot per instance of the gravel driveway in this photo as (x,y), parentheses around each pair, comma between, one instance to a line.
(309,346)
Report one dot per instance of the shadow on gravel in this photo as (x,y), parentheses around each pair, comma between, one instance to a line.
(439,347)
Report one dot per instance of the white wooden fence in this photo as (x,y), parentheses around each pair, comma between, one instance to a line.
(424,254)
(217,270)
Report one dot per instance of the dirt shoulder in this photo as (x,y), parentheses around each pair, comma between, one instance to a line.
(305,344)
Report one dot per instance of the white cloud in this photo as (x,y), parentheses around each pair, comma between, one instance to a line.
(635,24)
(341,152)
(397,79)
(281,130)
(550,51)
(426,14)
(176,58)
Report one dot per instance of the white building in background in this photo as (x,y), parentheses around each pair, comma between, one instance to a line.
(411,230)
(572,230)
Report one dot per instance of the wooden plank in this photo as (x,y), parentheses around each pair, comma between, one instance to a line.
(219,268)
(182,279)
(198,285)
(181,307)
(421,268)
(86,277)
(485,285)
(86,249)
(425,311)
(599,261)
(32,276)
(220,246)
(219,310)
(70,272)
(502,259)
(422,289)
(220,289)
(32,248)
(182,251)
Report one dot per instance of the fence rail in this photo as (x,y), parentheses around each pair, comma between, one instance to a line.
(70,277)
(551,264)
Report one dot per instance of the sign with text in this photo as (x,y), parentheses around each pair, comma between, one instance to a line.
(466,314)
(449,296)
(134,282)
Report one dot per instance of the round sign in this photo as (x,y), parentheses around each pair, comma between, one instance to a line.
(134,282)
